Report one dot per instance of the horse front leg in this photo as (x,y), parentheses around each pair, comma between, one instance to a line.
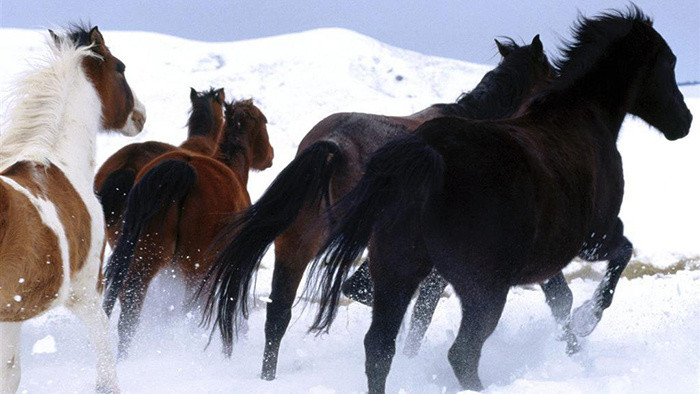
(10,370)
(559,298)
(586,317)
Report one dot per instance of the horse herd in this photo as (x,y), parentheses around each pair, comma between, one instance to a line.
(503,187)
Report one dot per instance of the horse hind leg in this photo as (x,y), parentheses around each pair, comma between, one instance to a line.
(358,287)
(428,297)
(482,306)
(88,308)
(559,298)
(10,370)
(293,250)
(396,269)
(585,318)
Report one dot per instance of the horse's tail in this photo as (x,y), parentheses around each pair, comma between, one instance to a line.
(114,192)
(165,184)
(303,182)
(400,177)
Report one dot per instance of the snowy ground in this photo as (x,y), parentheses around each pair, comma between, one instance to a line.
(648,341)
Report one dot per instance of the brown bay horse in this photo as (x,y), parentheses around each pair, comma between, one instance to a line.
(51,226)
(116,176)
(328,164)
(179,203)
(494,204)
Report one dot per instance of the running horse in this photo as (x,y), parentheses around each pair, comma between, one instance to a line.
(116,176)
(51,224)
(494,204)
(328,164)
(178,205)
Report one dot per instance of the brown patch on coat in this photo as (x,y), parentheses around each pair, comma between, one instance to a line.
(31,268)
(49,183)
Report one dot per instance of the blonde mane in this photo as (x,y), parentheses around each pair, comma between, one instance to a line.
(42,99)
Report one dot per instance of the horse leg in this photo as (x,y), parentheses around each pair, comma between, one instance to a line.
(293,250)
(559,298)
(393,291)
(88,308)
(10,370)
(585,318)
(148,261)
(428,297)
(482,306)
(358,287)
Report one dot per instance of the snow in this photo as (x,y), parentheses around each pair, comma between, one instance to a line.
(648,340)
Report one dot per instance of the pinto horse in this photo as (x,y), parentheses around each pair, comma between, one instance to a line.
(328,164)
(51,225)
(116,176)
(493,204)
(179,203)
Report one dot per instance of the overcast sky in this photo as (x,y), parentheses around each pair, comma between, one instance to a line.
(460,29)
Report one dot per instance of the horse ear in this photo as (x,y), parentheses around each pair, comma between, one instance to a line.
(504,50)
(536,45)
(220,96)
(98,41)
(56,39)
(193,94)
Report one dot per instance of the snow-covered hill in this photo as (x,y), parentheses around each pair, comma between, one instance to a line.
(647,341)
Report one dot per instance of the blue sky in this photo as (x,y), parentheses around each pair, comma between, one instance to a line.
(461,29)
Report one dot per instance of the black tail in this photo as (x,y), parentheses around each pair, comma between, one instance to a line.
(114,192)
(167,183)
(304,181)
(399,179)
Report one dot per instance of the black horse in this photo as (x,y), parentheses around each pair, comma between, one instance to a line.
(328,164)
(493,204)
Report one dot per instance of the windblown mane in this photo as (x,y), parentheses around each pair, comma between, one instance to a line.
(591,38)
(40,100)
(232,141)
(201,116)
(511,83)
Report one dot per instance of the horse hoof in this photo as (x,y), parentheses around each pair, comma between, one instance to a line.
(585,318)
(107,389)
(269,376)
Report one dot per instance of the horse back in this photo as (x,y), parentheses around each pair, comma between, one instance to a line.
(131,157)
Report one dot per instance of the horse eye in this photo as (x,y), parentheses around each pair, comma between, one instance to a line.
(121,67)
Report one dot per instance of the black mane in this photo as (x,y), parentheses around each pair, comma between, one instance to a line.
(201,115)
(79,34)
(486,100)
(591,37)
(232,141)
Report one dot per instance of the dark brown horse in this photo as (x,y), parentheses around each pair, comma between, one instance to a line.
(329,163)
(179,203)
(493,204)
(116,176)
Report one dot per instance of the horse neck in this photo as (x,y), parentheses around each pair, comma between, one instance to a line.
(607,90)
(497,96)
(234,155)
(56,119)
(202,136)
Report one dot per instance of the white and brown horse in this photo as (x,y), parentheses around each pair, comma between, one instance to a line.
(51,224)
